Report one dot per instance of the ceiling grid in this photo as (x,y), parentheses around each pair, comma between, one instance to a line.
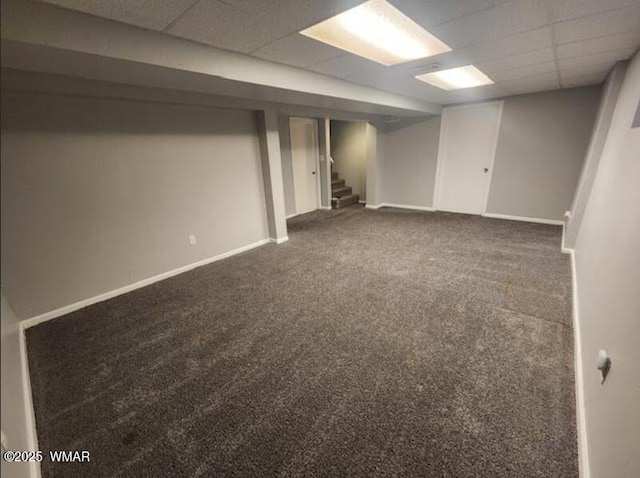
(520,44)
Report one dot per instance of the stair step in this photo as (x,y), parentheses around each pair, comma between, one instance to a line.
(334,175)
(344,201)
(337,183)
(343,191)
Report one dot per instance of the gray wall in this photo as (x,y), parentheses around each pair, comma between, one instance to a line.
(409,164)
(373,163)
(287,165)
(608,99)
(14,420)
(98,194)
(607,262)
(541,147)
(349,152)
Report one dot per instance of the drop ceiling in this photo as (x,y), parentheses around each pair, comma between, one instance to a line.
(523,45)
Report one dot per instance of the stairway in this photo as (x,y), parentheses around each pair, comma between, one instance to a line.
(341,194)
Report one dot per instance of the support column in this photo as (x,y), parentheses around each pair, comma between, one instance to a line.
(272,174)
(324,142)
(374,166)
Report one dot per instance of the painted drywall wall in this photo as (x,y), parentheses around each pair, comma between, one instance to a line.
(373,160)
(349,153)
(409,164)
(14,418)
(541,147)
(98,194)
(607,266)
(287,165)
(324,147)
(608,99)
(271,163)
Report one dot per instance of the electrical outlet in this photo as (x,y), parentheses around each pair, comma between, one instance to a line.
(192,239)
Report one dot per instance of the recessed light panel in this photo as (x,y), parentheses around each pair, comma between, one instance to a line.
(378,31)
(456,78)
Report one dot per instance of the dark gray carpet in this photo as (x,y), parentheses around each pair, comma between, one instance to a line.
(373,343)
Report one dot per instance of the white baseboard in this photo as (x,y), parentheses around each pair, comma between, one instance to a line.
(279,240)
(29,414)
(137,285)
(399,206)
(407,206)
(583,451)
(523,219)
(565,250)
(297,214)
(360,201)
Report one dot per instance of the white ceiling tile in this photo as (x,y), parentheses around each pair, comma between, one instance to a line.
(297,50)
(468,95)
(584,74)
(493,23)
(586,70)
(563,10)
(420,89)
(582,82)
(507,46)
(346,65)
(524,71)
(543,79)
(525,90)
(510,45)
(512,41)
(153,14)
(435,12)
(224,26)
(296,11)
(546,83)
(248,25)
(621,41)
(608,23)
(571,79)
(606,57)
(517,61)
(492,50)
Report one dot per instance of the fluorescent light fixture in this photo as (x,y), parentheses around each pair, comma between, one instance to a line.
(378,31)
(456,78)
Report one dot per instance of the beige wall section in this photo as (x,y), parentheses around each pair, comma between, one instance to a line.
(607,262)
(14,417)
(324,146)
(541,147)
(373,164)
(98,194)
(287,165)
(270,156)
(608,99)
(349,152)
(409,165)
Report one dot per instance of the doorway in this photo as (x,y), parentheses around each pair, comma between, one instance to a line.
(305,163)
(350,151)
(468,139)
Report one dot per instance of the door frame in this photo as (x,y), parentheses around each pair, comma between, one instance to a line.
(441,155)
(314,122)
